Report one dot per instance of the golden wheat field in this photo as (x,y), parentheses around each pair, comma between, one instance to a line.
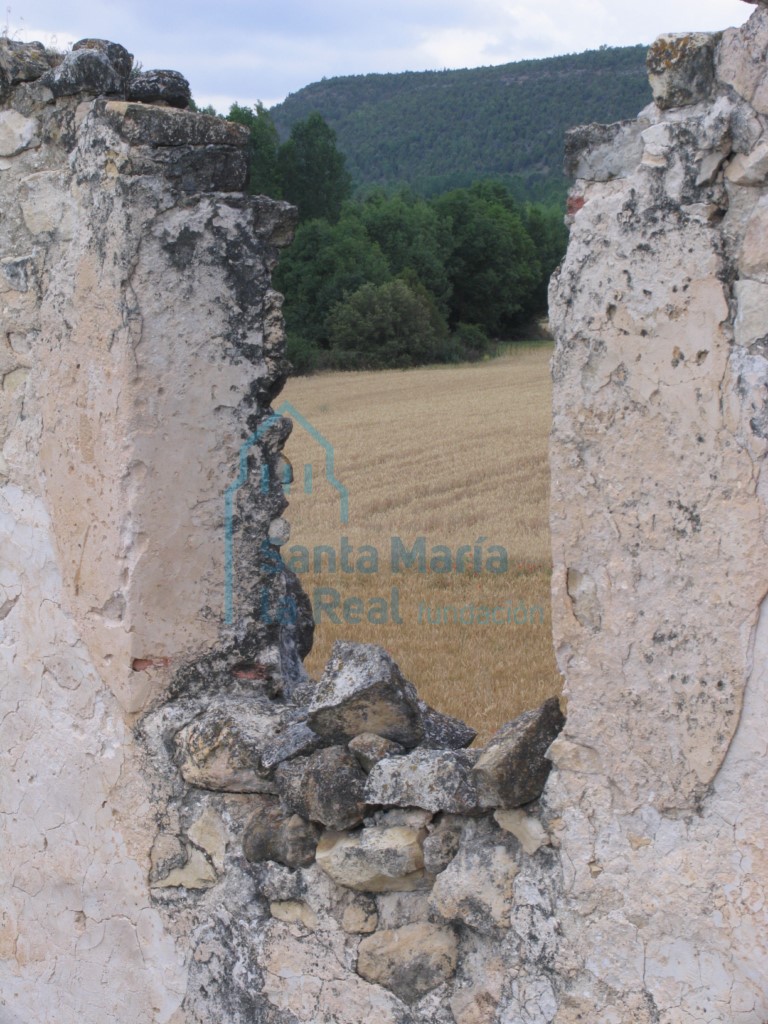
(442,470)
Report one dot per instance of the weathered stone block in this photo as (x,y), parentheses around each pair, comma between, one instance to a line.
(197,153)
(528,830)
(85,71)
(278,882)
(327,786)
(477,887)
(513,767)
(160,87)
(212,169)
(275,834)
(396,909)
(294,912)
(443,732)
(22,62)
(442,845)
(195,872)
(410,817)
(409,961)
(751,324)
(753,257)
(369,749)
(117,55)
(297,740)
(375,859)
(437,780)
(601,152)
(17,133)
(209,832)
(46,208)
(741,60)
(477,1005)
(308,979)
(359,919)
(681,68)
(168,852)
(749,168)
(140,124)
(220,749)
(362,691)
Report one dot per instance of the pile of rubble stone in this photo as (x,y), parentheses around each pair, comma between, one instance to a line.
(357,775)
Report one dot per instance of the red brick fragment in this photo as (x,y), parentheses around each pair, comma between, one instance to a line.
(144,664)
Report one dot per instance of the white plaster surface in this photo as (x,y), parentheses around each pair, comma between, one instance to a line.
(120,427)
(78,935)
(658,452)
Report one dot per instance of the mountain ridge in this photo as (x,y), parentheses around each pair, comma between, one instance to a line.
(434,130)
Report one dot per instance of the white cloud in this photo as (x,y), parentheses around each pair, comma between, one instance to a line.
(249,49)
(456,48)
(56,40)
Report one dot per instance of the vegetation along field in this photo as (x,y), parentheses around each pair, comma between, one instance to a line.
(430,204)
(456,455)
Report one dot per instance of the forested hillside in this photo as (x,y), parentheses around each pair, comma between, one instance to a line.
(431,204)
(394,279)
(436,130)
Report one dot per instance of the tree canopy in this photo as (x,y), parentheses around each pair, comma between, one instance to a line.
(311,170)
(326,262)
(492,263)
(385,325)
(263,148)
(399,280)
(393,278)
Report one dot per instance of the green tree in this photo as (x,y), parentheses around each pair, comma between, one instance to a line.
(263,147)
(412,237)
(492,265)
(312,171)
(384,325)
(548,232)
(324,263)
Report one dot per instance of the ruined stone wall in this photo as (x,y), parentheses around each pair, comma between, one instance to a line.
(191,830)
(139,346)
(659,532)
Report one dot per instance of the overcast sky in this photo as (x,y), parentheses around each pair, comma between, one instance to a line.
(263,49)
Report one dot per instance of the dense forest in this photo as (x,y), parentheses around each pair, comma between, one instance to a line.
(430,204)
(437,130)
(399,280)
